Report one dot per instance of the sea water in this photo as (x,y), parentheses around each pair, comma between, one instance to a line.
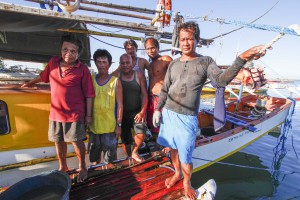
(257,171)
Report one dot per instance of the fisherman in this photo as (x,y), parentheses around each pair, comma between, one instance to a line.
(157,70)
(135,105)
(139,64)
(71,101)
(105,127)
(179,97)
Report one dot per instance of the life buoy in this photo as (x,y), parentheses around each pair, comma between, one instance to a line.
(69,8)
(167,16)
(162,6)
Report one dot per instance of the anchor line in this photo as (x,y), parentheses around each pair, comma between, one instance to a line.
(244,166)
(286,130)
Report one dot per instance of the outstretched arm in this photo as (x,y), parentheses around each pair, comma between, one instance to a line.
(32,82)
(254,53)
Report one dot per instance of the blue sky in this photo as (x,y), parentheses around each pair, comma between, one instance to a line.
(282,62)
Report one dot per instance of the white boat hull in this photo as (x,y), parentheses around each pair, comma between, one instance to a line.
(206,155)
(24,155)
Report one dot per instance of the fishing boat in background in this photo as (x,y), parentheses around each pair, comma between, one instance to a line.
(250,79)
(279,83)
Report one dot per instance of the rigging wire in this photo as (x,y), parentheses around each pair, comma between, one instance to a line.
(102,40)
(106,42)
(283,30)
(250,22)
(105,30)
(245,166)
(273,70)
(119,46)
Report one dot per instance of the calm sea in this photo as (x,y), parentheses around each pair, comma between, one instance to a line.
(257,172)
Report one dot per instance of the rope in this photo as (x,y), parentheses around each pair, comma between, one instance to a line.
(245,166)
(280,150)
(106,42)
(105,30)
(120,47)
(286,129)
(283,30)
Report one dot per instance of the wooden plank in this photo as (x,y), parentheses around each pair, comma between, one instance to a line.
(139,182)
(93,9)
(84,18)
(114,35)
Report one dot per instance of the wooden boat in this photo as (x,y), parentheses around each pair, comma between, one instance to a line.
(241,128)
(132,180)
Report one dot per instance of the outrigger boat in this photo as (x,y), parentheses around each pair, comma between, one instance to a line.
(24,121)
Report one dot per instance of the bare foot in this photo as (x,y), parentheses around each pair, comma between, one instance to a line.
(63,169)
(166,150)
(189,191)
(82,175)
(136,157)
(172,180)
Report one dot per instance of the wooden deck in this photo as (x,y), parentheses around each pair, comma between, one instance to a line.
(143,181)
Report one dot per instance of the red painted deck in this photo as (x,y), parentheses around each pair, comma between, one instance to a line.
(143,181)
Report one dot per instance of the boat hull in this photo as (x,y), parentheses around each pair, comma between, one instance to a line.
(206,155)
(236,139)
(28,116)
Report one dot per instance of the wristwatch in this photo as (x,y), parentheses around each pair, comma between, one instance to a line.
(119,124)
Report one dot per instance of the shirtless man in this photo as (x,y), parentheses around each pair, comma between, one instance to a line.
(157,70)
(139,64)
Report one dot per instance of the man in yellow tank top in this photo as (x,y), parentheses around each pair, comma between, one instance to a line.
(107,111)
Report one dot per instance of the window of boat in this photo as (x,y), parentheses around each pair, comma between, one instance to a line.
(4,120)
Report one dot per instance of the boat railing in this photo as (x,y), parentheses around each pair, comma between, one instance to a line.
(235,121)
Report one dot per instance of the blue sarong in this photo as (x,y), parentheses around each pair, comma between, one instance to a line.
(178,131)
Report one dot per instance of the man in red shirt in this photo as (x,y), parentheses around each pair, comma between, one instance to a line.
(71,101)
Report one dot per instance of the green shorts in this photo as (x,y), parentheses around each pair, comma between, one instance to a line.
(66,131)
